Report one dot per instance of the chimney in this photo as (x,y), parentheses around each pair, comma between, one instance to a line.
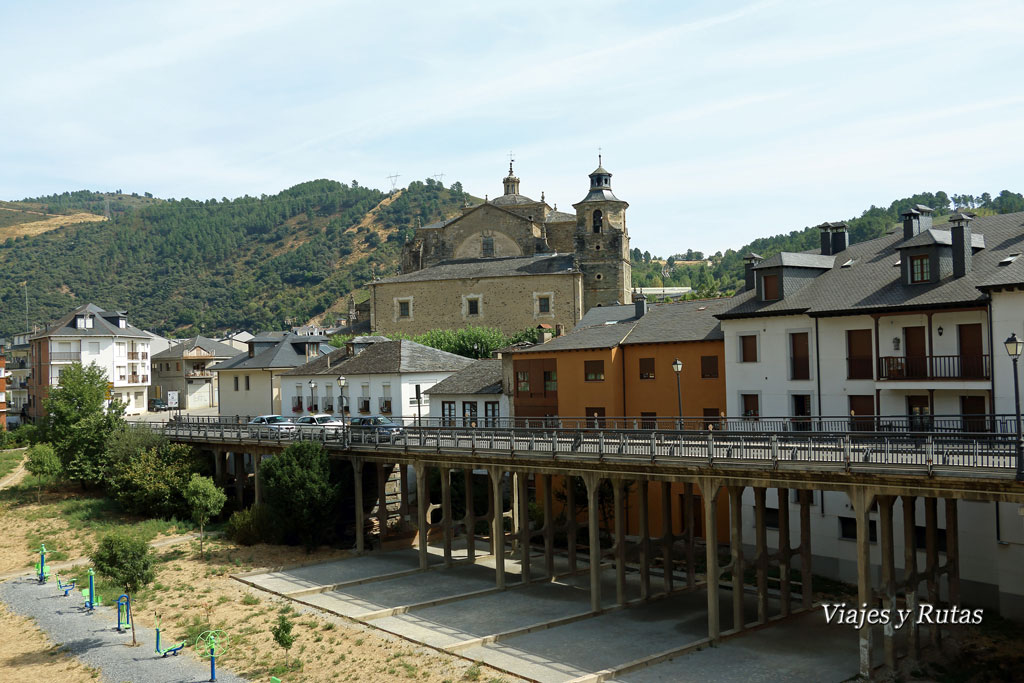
(840,238)
(911,223)
(559,330)
(545,336)
(926,216)
(826,239)
(749,261)
(640,304)
(961,232)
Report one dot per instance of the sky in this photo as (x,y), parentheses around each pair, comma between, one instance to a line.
(721,122)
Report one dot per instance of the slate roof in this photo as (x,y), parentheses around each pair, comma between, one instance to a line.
(933,236)
(873,282)
(481,377)
(288,352)
(608,326)
(511,199)
(439,224)
(559,217)
(178,350)
(391,357)
(789,259)
(1001,276)
(65,327)
(326,364)
(603,194)
(459,269)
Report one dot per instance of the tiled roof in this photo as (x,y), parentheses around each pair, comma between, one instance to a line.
(390,357)
(178,350)
(288,352)
(65,327)
(559,217)
(481,377)
(685,321)
(512,199)
(458,269)
(873,281)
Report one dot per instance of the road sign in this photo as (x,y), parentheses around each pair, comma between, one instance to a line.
(172,399)
(110,390)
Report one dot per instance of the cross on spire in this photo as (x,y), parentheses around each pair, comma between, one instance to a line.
(599,163)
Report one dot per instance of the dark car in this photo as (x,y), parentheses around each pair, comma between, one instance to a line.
(157,404)
(376,429)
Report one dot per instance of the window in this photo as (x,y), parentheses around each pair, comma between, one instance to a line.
(447,413)
(598,220)
(523,381)
(121,349)
(748,348)
(543,304)
(469,413)
(799,356)
(920,269)
(297,404)
(487,247)
(646,368)
(848,529)
(751,405)
(708,367)
(595,417)
(648,420)
(364,404)
(472,306)
(403,309)
(247,382)
(858,354)
(236,382)
(771,287)
(385,404)
(801,408)
(593,370)
(491,413)
(550,380)
(177,367)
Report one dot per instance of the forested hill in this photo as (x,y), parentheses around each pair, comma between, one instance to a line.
(725,273)
(186,266)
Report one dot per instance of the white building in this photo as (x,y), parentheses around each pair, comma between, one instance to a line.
(471,397)
(908,327)
(382,379)
(19,368)
(90,335)
(187,368)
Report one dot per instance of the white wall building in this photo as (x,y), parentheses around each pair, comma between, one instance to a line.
(471,397)
(380,380)
(908,327)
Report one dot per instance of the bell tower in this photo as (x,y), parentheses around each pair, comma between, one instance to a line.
(602,243)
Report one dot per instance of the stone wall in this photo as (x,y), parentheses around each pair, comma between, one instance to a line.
(509,303)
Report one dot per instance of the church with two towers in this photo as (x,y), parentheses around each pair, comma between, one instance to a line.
(511,262)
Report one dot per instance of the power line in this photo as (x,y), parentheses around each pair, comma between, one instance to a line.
(394,181)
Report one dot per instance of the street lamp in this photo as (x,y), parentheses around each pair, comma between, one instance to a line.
(341,397)
(312,394)
(1014,347)
(677,367)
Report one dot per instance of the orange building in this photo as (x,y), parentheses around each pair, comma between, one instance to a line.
(617,369)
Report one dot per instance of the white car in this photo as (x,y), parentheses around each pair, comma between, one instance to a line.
(320,421)
(274,423)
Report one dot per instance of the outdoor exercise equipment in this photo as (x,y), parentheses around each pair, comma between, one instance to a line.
(173,650)
(124,613)
(92,601)
(66,587)
(42,571)
(212,644)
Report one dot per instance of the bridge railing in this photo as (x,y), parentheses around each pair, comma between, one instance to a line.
(913,449)
(939,424)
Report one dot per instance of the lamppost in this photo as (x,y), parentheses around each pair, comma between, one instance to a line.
(312,394)
(677,366)
(341,398)
(1014,347)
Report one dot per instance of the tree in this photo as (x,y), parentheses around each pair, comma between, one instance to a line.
(152,482)
(79,422)
(127,560)
(42,462)
(299,492)
(205,501)
(282,633)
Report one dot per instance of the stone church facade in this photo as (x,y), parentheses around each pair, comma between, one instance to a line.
(511,263)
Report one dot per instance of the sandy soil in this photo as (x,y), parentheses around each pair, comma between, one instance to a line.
(27,651)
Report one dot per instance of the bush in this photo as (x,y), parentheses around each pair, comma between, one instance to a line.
(22,435)
(300,494)
(251,526)
(153,482)
(43,463)
(124,559)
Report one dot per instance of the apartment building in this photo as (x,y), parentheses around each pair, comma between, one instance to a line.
(19,368)
(902,332)
(186,367)
(3,385)
(91,335)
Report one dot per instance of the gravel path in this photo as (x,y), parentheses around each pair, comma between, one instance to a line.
(94,640)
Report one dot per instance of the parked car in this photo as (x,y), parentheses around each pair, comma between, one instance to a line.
(274,423)
(157,404)
(363,429)
(323,421)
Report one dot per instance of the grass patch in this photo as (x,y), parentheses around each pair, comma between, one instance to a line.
(9,460)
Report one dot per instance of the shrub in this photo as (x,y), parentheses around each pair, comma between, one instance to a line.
(300,494)
(43,463)
(127,560)
(251,526)
(153,482)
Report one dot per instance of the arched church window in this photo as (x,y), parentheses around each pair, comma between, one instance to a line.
(487,247)
(598,220)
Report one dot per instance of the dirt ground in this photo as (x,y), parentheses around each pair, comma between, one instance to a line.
(33,657)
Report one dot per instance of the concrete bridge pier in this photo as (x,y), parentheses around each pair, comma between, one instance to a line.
(690,533)
(218,466)
(862,500)
(888,587)
(469,520)
(446,513)
(785,553)
(549,529)
(422,501)
(570,521)
(257,477)
(645,539)
(736,551)
(240,477)
(952,551)
(931,552)
(523,533)
(593,482)
(911,579)
(620,542)
(495,475)
(806,584)
(667,538)
(710,489)
(383,472)
(761,554)
(357,481)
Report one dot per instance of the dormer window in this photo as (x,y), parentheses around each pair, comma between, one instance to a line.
(770,284)
(598,220)
(80,322)
(920,269)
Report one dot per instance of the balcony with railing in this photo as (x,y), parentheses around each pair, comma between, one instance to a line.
(974,367)
(133,355)
(192,374)
(66,356)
